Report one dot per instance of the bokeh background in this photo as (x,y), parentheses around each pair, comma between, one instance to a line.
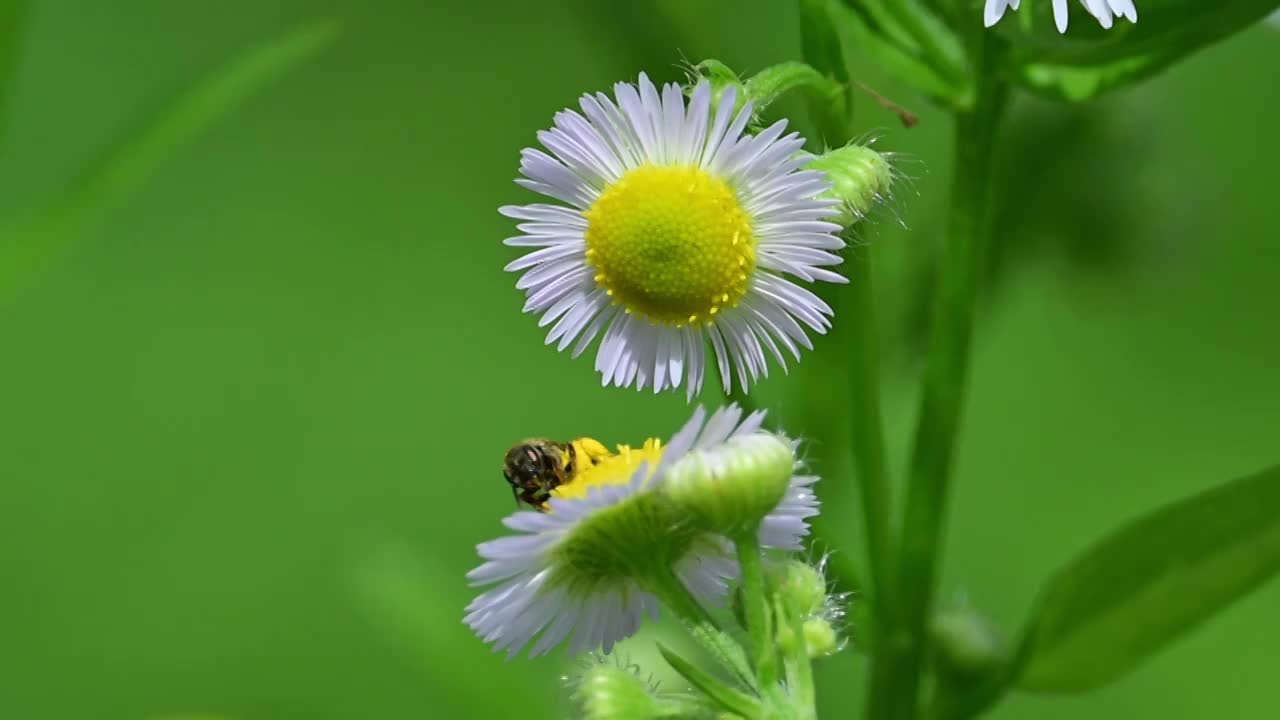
(251,419)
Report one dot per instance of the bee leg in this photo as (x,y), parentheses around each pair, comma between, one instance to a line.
(529,498)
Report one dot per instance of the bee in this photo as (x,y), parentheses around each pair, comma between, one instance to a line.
(536,467)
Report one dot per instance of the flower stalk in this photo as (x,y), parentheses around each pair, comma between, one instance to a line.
(895,688)
(755,606)
(799,667)
(857,331)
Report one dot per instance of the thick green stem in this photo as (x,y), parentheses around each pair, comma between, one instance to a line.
(896,686)
(755,608)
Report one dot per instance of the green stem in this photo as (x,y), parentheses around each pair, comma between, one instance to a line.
(856,307)
(677,598)
(755,608)
(775,80)
(799,669)
(895,688)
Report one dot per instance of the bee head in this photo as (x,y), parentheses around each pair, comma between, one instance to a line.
(530,466)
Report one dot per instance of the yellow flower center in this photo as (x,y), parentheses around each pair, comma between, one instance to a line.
(672,244)
(612,470)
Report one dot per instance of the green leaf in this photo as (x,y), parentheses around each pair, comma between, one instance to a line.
(1152,581)
(26,246)
(1087,61)
(731,699)
(858,29)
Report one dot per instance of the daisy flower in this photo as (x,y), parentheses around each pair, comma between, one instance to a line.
(613,543)
(1106,11)
(674,227)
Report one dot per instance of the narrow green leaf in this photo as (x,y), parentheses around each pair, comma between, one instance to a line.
(1137,590)
(27,246)
(856,28)
(1088,61)
(731,699)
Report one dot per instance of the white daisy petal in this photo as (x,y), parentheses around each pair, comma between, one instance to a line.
(994,11)
(1105,11)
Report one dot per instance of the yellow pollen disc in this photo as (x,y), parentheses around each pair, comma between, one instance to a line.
(671,243)
(612,470)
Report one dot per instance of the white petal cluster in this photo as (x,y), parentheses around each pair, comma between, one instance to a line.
(1105,11)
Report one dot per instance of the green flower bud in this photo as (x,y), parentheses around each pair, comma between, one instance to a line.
(860,179)
(609,692)
(820,638)
(721,77)
(966,644)
(800,586)
(729,489)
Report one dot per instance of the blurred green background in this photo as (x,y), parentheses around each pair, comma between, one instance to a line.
(251,421)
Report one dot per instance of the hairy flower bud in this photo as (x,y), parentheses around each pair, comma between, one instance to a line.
(729,489)
(860,178)
(721,77)
(800,586)
(609,692)
(820,638)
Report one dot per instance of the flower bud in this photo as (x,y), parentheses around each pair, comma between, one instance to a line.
(731,488)
(820,637)
(609,692)
(860,179)
(966,643)
(800,586)
(721,77)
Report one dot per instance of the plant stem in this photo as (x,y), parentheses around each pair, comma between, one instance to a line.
(856,308)
(799,669)
(755,608)
(895,694)
(856,305)
(673,594)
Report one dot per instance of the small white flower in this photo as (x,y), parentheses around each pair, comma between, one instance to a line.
(1104,10)
(677,227)
(591,564)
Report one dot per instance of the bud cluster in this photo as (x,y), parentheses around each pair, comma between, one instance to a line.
(808,611)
